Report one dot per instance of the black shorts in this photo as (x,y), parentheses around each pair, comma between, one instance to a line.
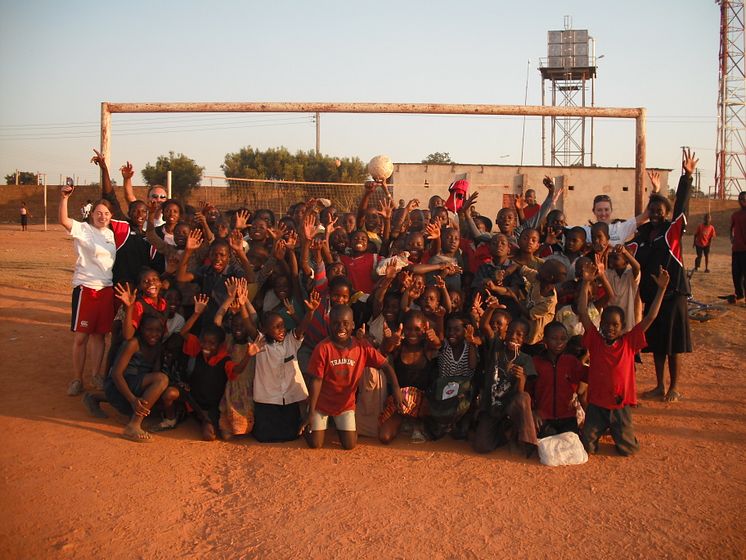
(116,399)
(276,422)
(24,220)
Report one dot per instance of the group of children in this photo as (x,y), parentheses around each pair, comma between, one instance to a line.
(387,320)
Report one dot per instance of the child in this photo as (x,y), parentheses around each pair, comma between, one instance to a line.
(528,244)
(558,378)
(450,394)
(24,217)
(174,320)
(135,382)
(450,254)
(209,369)
(541,299)
(702,241)
(335,367)
(624,282)
(495,320)
(413,348)
(361,263)
(611,375)
(574,248)
(505,406)
(279,389)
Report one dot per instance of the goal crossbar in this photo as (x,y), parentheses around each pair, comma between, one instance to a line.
(636,113)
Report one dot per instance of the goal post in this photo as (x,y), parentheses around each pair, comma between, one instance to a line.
(638,114)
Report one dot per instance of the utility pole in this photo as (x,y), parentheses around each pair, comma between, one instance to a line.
(318,133)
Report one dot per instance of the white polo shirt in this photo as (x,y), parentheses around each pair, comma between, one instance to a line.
(620,232)
(96,252)
(277,379)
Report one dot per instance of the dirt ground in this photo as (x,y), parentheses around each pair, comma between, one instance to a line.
(72,488)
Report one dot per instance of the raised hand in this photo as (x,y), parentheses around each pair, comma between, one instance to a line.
(235,240)
(655,181)
(291,241)
(600,261)
(406,281)
(289,307)
(412,204)
(432,337)
(127,171)
(432,231)
(99,158)
(662,279)
(200,303)
(395,337)
(309,226)
(126,295)
(470,201)
(242,219)
(313,302)
(690,161)
(439,282)
(386,208)
(556,195)
(194,240)
(331,227)
(231,286)
(242,294)
(280,249)
(494,303)
(470,337)
(259,345)
(451,269)
(547,182)
(520,202)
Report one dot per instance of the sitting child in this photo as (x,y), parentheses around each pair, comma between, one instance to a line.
(135,382)
(558,378)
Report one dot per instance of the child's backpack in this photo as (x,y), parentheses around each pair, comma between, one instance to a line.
(449,397)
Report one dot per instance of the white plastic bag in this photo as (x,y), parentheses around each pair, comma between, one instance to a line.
(562,449)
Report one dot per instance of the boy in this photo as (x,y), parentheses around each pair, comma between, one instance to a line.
(611,375)
(702,241)
(336,367)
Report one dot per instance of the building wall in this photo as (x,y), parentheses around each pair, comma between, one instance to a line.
(495,182)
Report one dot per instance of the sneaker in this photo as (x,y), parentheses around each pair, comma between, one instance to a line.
(165,424)
(418,436)
(75,388)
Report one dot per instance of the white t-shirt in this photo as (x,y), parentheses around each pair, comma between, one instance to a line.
(96,252)
(278,379)
(620,232)
(625,289)
(174,324)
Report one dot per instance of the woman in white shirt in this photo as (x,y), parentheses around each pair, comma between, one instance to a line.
(93,295)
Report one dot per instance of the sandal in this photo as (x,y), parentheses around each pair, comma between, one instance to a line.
(418,436)
(75,388)
(673,396)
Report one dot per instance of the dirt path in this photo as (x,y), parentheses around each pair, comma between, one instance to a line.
(72,488)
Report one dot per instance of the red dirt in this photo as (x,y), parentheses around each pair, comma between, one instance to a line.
(72,488)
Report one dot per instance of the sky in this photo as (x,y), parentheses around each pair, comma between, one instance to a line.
(60,60)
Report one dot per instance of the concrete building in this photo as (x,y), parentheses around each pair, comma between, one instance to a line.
(497,184)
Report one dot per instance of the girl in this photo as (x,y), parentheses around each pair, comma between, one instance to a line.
(660,245)
(360,264)
(450,254)
(528,245)
(450,393)
(93,295)
(413,347)
(136,383)
(210,367)
(171,211)
(280,392)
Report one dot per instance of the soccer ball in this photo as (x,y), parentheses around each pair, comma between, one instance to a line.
(381,168)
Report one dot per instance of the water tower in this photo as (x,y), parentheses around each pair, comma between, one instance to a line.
(570,69)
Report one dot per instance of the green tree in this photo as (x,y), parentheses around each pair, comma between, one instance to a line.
(438,157)
(185,173)
(279,163)
(24,178)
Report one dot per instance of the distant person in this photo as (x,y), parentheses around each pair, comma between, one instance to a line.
(24,217)
(85,209)
(702,241)
(738,255)
(532,207)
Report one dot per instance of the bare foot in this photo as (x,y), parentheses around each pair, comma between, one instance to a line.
(656,393)
(137,435)
(208,432)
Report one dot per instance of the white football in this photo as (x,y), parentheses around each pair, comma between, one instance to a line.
(381,167)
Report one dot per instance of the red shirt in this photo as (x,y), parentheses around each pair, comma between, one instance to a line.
(341,370)
(531,211)
(555,384)
(360,271)
(138,309)
(704,235)
(611,375)
(192,348)
(738,230)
